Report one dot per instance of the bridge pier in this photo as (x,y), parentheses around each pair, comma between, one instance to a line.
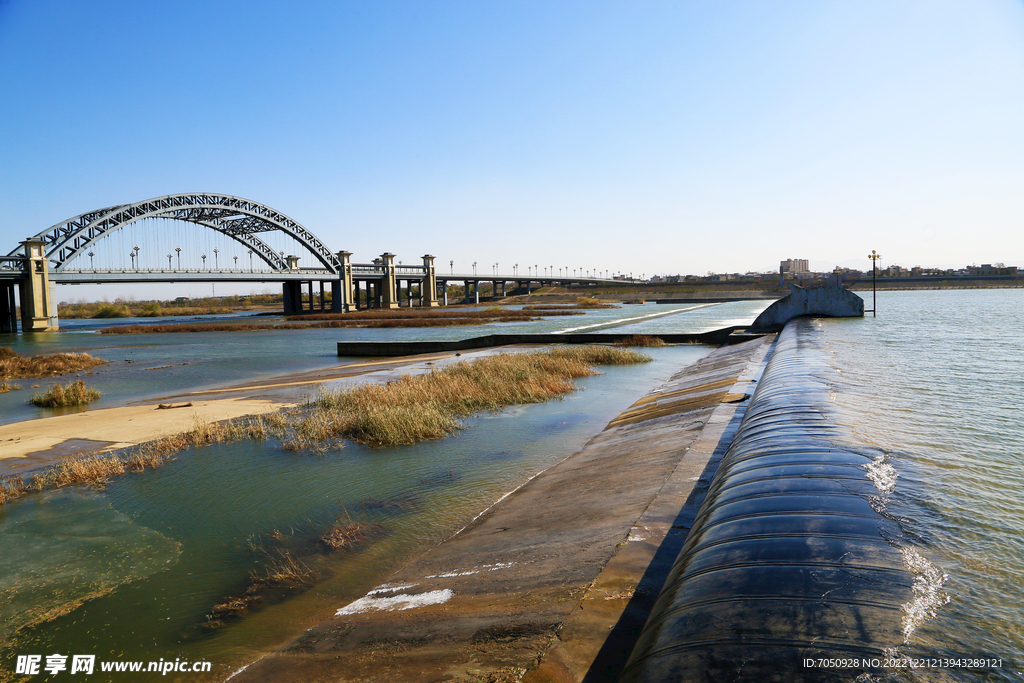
(428,285)
(341,302)
(388,283)
(292,292)
(38,307)
(8,309)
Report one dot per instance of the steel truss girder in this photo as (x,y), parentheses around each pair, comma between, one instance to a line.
(237,218)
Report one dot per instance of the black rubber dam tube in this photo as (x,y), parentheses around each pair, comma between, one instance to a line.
(791,563)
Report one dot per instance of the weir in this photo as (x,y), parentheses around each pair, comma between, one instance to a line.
(791,558)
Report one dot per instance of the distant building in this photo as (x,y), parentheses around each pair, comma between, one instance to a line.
(795,267)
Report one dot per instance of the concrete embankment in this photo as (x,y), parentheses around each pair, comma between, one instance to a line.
(554,581)
(726,335)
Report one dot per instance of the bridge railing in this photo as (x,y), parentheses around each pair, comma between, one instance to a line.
(12,263)
(226,271)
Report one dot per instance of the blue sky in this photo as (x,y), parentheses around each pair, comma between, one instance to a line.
(654,137)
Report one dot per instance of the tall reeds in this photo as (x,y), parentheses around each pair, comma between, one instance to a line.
(60,395)
(416,408)
(641,340)
(14,366)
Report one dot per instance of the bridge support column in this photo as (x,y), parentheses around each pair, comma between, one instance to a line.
(38,308)
(292,290)
(341,301)
(444,288)
(8,309)
(476,292)
(388,284)
(428,286)
(503,289)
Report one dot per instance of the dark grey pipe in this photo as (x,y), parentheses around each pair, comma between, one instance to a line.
(788,562)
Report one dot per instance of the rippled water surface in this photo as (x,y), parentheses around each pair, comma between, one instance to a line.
(936,382)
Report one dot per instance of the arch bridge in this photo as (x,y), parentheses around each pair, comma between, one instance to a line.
(57,256)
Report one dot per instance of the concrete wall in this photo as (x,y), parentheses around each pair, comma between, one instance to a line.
(833,302)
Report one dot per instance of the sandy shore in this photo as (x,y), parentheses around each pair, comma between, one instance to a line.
(33,444)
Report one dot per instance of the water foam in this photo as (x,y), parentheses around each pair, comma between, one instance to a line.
(882,474)
(928,596)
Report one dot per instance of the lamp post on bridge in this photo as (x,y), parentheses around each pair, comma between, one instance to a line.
(135,260)
(91,266)
(168,260)
(250,260)
(874,274)
(236,261)
(216,265)
(131,255)
(178,251)
(474,267)
(204,261)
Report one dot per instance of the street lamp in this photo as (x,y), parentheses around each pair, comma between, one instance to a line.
(250,260)
(216,265)
(204,261)
(178,251)
(874,274)
(236,262)
(136,250)
(131,255)
(91,266)
(474,267)
(168,260)
(451,265)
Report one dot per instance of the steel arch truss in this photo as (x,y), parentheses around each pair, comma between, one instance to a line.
(240,219)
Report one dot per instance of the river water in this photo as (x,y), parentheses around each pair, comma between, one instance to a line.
(934,382)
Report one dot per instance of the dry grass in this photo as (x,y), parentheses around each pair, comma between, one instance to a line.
(348,534)
(282,571)
(59,395)
(641,340)
(5,387)
(13,366)
(379,318)
(416,408)
(11,487)
(95,470)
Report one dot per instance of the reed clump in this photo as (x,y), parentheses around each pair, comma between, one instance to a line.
(6,387)
(59,395)
(348,534)
(11,487)
(14,366)
(642,340)
(415,408)
(96,470)
(283,571)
